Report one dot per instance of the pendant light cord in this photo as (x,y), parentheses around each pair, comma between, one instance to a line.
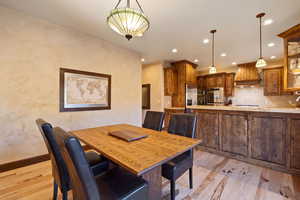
(260,37)
(213,50)
(128,5)
(213,47)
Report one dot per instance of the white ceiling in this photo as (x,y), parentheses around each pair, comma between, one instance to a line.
(181,24)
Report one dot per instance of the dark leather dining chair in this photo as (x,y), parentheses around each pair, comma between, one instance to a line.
(154,120)
(113,184)
(183,125)
(59,169)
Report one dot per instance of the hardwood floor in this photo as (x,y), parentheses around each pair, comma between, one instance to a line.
(215,178)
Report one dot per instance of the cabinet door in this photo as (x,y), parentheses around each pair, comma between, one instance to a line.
(220,81)
(191,78)
(272,81)
(229,85)
(211,82)
(207,129)
(295,143)
(234,133)
(170,81)
(201,83)
(268,138)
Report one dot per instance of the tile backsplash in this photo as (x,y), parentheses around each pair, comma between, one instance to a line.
(255,96)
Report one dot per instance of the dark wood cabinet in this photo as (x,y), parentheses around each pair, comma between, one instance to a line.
(268,138)
(207,129)
(273,81)
(191,78)
(201,83)
(294,127)
(170,81)
(229,84)
(234,133)
(186,74)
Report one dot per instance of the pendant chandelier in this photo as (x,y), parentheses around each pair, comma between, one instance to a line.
(128,21)
(212,68)
(260,62)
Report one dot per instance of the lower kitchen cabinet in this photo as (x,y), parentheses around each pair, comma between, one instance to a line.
(294,127)
(207,129)
(261,138)
(233,133)
(268,138)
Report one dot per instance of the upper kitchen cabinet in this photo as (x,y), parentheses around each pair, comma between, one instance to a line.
(273,81)
(229,84)
(170,81)
(186,74)
(215,80)
(291,39)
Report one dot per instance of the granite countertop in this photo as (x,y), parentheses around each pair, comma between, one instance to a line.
(249,108)
(175,108)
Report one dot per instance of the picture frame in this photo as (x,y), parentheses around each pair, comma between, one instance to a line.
(84,91)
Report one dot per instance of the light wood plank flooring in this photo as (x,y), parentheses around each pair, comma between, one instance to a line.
(215,178)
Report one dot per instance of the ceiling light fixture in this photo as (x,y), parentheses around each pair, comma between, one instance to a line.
(223,54)
(205,41)
(196,60)
(143,59)
(271,44)
(268,22)
(273,57)
(127,21)
(212,68)
(234,63)
(260,62)
(174,50)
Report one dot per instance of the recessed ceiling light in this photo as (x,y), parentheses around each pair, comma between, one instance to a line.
(143,59)
(174,50)
(271,44)
(205,41)
(273,57)
(234,63)
(223,54)
(196,60)
(268,22)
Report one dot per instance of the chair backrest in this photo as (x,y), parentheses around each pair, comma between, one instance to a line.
(84,186)
(154,120)
(183,124)
(59,169)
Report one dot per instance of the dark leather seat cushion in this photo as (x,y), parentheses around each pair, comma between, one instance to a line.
(97,162)
(120,184)
(177,166)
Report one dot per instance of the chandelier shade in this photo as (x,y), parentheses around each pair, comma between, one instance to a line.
(128,22)
(261,63)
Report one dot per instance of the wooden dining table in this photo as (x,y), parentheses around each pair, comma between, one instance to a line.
(142,157)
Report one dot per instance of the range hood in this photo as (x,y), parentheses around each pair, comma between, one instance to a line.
(247,74)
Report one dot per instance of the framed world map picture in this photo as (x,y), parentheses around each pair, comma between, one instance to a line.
(81,91)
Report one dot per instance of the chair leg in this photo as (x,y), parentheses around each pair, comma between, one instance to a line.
(55,189)
(65,195)
(191,177)
(172,189)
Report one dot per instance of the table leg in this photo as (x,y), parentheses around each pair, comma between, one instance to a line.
(155,183)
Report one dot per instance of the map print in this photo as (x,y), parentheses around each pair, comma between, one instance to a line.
(83,89)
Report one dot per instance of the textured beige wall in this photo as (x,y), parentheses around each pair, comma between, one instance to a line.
(153,74)
(32,51)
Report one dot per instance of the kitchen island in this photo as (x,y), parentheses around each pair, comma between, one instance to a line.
(266,136)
